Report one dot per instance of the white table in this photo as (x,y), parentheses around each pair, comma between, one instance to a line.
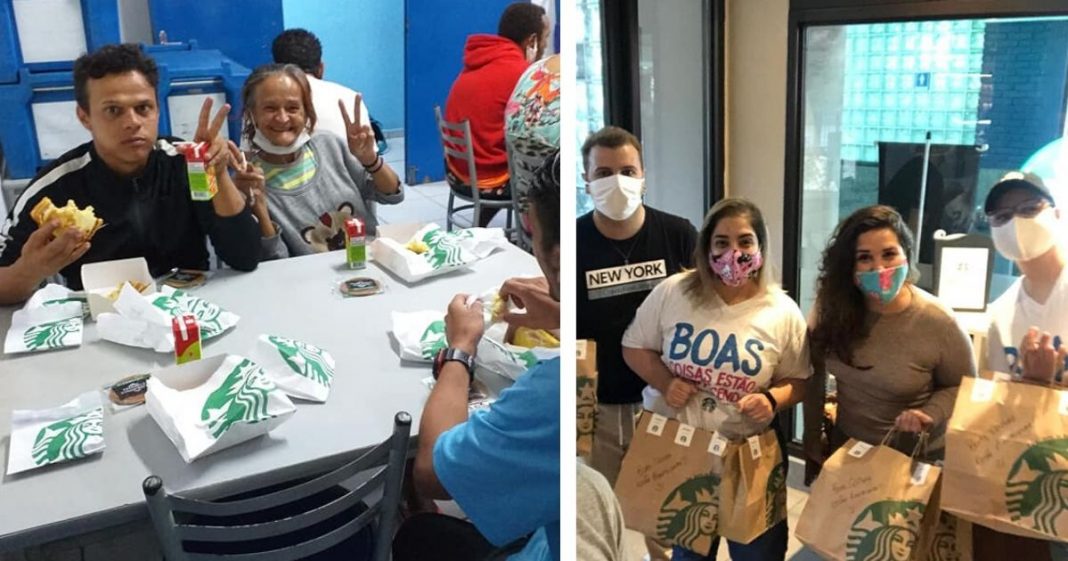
(295,298)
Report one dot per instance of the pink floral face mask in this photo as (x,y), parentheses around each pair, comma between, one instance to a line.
(734,267)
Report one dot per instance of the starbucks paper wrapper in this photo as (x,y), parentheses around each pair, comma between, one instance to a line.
(145,320)
(420,334)
(61,434)
(212,404)
(300,370)
(448,251)
(51,319)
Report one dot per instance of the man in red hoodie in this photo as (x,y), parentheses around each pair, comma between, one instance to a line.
(492,67)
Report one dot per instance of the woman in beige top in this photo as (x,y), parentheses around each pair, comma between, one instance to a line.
(897,354)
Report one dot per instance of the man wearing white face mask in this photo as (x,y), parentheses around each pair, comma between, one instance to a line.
(625,248)
(1028,321)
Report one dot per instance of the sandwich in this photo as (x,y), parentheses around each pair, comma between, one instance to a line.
(69,216)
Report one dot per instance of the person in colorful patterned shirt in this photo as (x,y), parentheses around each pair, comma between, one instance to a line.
(302,185)
(726,348)
(532,123)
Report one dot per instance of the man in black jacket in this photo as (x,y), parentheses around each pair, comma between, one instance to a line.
(136,182)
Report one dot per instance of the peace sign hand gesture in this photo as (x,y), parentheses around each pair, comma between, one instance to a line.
(360,136)
(218,153)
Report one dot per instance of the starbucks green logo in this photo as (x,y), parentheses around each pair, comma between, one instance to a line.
(306,360)
(689,515)
(587,408)
(445,250)
(242,397)
(1037,488)
(524,359)
(433,339)
(208,315)
(775,496)
(885,531)
(944,546)
(69,438)
(50,335)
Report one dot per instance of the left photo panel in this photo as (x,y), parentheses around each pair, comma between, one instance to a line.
(280,279)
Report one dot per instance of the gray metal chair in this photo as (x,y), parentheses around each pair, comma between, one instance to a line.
(192,529)
(456,142)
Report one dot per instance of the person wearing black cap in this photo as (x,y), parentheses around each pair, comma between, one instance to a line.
(1028,320)
(1028,327)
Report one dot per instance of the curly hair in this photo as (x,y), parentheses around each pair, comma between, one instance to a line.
(840,308)
(544,196)
(107,60)
(261,73)
(300,47)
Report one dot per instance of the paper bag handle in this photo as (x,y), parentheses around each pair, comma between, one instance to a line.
(891,435)
(921,445)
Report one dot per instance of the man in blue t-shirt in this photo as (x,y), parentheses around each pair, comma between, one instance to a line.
(501,465)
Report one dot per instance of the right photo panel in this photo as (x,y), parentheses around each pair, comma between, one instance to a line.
(821,289)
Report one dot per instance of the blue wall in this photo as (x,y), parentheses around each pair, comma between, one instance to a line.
(363,48)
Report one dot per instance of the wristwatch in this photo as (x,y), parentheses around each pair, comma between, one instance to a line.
(771,400)
(452,353)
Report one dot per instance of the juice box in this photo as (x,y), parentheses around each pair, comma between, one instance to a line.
(355,244)
(186,338)
(202,183)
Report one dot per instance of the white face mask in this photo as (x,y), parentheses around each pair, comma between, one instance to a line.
(1023,239)
(617,196)
(261,141)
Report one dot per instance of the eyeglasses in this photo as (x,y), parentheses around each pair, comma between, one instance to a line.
(1026,209)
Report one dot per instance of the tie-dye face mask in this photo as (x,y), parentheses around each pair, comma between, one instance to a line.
(884,284)
(735,267)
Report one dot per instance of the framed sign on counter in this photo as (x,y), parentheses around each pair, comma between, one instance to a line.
(963,265)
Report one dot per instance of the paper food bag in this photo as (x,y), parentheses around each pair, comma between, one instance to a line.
(752,496)
(668,485)
(145,320)
(301,370)
(229,400)
(51,319)
(441,251)
(586,398)
(868,502)
(420,334)
(949,538)
(1007,458)
(61,434)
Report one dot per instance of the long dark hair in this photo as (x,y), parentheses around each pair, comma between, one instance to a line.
(840,308)
(248,94)
(698,282)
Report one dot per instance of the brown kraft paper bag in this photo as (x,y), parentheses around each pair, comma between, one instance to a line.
(868,504)
(669,483)
(1007,458)
(752,496)
(586,399)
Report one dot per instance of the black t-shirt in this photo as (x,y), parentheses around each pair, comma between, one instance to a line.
(614,277)
(150,216)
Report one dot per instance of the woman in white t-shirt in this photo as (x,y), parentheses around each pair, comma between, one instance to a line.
(723,344)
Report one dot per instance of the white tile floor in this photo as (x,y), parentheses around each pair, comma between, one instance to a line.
(796,495)
(424,202)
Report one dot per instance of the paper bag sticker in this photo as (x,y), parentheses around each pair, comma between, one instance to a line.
(684,436)
(1063,409)
(919,474)
(859,449)
(718,444)
(656,424)
(754,446)
(982,390)
(1002,377)
(580,349)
